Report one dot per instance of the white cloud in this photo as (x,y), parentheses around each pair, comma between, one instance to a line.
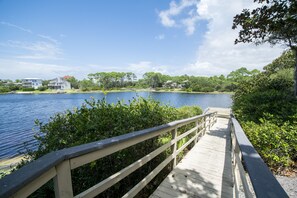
(170,18)
(160,37)
(48,38)
(138,68)
(146,66)
(16,26)
(190,24)
(217,54)
(35,50)
(29,69)
(46,49)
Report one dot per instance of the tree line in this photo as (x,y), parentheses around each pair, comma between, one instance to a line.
(154,80)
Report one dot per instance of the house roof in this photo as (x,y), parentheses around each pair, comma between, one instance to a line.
(32,79)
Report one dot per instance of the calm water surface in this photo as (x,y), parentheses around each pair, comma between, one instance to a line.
(18,111)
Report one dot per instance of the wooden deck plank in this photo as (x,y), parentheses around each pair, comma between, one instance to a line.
(206,171)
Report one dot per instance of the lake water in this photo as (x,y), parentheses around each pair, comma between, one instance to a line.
(18,111)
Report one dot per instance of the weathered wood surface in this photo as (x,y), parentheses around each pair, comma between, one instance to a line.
(206,171)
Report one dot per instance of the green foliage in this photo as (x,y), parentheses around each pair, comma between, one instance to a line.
(42,88)
(45,83)
(274,21)
(269,92)
(276,144)
(4,89)
(88,85)
(28,89)
(108,80)
(154,79)
(73,81)
(97,120)
(157,81)
(267,109)
(262,94)
(242,74)
(8,86)
(188,111)
(285,61)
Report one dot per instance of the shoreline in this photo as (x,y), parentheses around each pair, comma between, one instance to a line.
(77,91)
(8,163)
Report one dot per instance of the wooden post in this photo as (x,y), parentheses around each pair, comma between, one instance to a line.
(209,122)
(196,133)
(174,146)
(62,181)
(204,120)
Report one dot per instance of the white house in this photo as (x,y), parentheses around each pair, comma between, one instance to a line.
(31,83)
(170,84)
(59,83)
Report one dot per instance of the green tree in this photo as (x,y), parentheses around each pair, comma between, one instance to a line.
(285,61)
(154,79)
(242,73)
(73,81)
(45,83)
(274,22)
(87,85)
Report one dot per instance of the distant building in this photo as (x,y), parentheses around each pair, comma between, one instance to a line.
(59,83)
(68,77)
(170,84)
(31,83)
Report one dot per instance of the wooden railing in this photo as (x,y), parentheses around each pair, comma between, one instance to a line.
(58,165)
(251,175)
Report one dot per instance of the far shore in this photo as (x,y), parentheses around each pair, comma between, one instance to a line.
(78,91)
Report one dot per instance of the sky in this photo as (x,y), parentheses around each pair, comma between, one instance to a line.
(47,39)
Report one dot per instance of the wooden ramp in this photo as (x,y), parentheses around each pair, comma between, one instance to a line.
(206,171)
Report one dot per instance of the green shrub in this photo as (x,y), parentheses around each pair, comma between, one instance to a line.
(42,88)
(28,89)
(277,145)
(97,120)
(263,94)
(188,111)
(189,90)
(4,89)
(266,107)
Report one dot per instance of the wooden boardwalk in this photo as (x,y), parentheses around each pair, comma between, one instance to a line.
(206,171)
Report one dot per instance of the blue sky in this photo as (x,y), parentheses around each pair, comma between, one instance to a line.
(54,38)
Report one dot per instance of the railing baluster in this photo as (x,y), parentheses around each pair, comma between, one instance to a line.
(196,133)
(62,181)
(209,122)
(204,127)
(174,146)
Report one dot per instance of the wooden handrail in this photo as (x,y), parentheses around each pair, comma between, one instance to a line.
(57,165)
(247,160)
